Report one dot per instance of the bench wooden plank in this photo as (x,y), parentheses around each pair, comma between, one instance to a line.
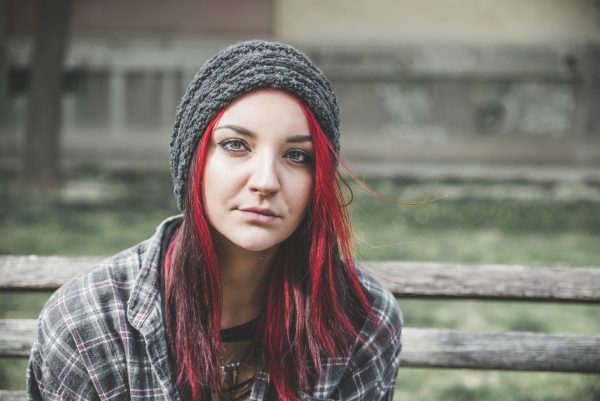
(16,336)
(41,272)
(404,279)
(7,395)
(504,282)
(432,348)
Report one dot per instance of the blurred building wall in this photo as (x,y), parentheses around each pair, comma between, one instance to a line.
(143,17)
(487,22)
(459,80)
(420,81)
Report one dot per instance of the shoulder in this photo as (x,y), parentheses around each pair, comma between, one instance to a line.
(380,339)
(76,326)
(107,287)
(95,290)
(384,306)
(83,332)
(369,371)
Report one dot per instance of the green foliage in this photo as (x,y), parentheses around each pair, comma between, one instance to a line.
(12,373)
(95,214)
(535,224)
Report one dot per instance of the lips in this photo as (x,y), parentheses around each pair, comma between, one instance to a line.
(260,211)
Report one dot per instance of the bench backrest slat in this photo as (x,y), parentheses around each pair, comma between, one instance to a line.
(432,348)
(510,282)
(507,350)
(414,279)
(7,395)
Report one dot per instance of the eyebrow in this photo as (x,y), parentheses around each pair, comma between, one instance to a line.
(244,131)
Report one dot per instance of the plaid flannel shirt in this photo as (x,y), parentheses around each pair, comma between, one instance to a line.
(101,337)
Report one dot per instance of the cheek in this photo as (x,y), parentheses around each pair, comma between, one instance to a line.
(217,190)
(302,193)
(210,184)
(219,179)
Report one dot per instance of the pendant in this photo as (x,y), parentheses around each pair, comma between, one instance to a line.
(231,373)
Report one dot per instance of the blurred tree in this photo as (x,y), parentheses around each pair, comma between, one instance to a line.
(40,153)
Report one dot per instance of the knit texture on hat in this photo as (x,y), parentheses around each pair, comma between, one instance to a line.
(234,71)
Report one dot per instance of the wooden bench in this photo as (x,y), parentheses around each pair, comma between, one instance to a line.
(422,347)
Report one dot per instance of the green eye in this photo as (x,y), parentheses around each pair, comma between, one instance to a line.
(233,145)
(299,156)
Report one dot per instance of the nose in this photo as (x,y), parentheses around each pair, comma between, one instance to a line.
(264,179)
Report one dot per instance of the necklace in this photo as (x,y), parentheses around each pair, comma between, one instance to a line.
(233,389)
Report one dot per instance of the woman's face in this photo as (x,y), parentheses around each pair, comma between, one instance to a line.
(258,176)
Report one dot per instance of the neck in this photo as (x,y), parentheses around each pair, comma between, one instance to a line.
(244,278)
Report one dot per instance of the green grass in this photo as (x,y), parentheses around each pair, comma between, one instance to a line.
(100,213)
(471,228)
(95,214)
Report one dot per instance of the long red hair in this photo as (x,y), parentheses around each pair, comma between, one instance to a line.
(314,267)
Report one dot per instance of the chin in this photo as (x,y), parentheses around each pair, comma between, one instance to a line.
(255,243)
(256,246)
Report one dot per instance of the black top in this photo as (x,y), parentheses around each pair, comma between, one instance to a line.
(243,332)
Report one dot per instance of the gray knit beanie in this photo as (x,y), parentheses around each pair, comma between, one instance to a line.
(237,70)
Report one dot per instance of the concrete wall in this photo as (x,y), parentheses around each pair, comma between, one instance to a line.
(518,22)
(535,105)
(526,105)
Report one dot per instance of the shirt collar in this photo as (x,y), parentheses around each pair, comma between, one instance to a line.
(144,300)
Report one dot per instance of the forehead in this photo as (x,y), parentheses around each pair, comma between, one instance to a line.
(267,110)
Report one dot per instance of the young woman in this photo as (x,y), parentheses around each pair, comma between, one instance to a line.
(251,293)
